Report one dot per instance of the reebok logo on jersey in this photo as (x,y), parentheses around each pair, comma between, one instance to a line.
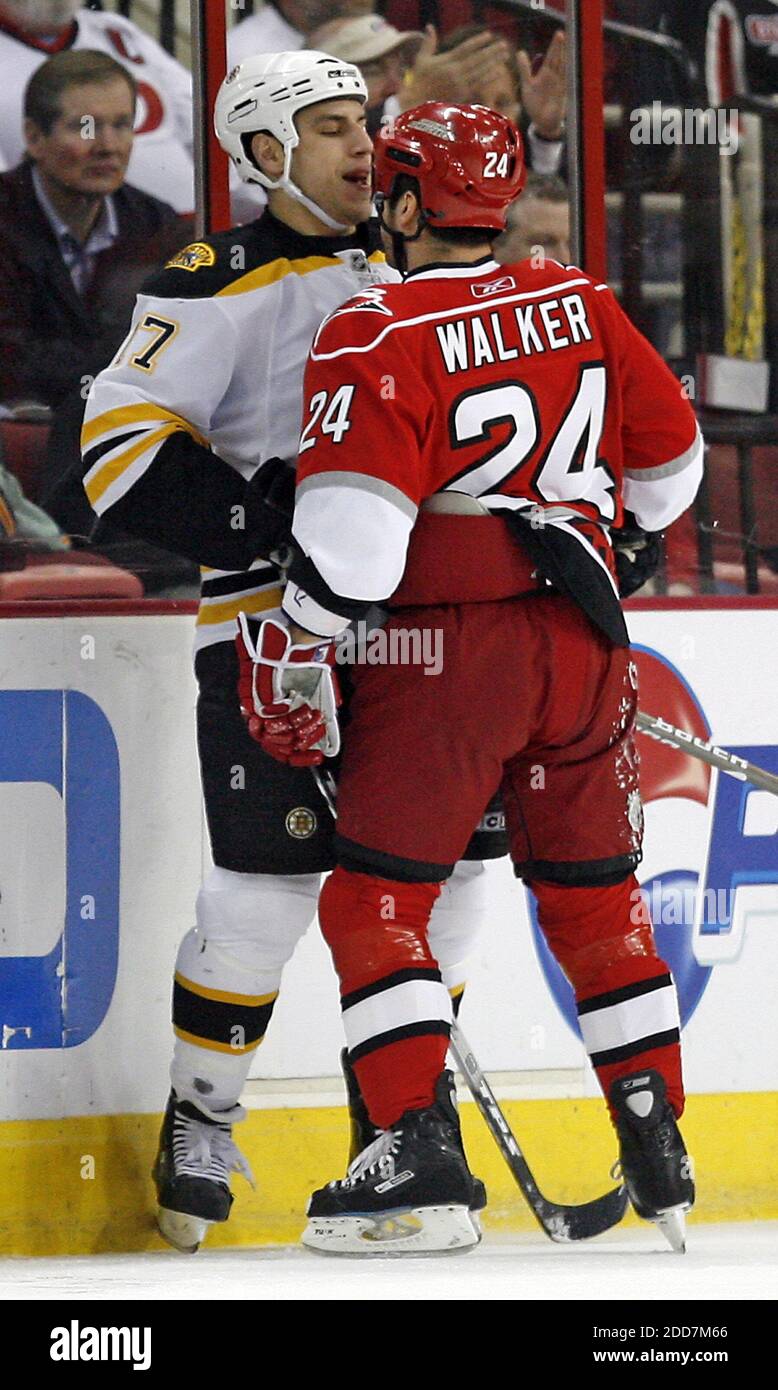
(77,1343)
(494,287)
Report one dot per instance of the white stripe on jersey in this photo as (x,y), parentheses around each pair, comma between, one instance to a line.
(619,1024)
(458,272)
(103,490)
(415,1001)
(659,495)
(457,313)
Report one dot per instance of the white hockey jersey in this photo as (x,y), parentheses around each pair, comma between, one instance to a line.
(161,162)
(208,386)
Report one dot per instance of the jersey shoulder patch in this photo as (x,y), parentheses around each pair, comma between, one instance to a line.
(203,268)
(359,323)
(192,257)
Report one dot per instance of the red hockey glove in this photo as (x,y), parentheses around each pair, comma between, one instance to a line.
(288,694)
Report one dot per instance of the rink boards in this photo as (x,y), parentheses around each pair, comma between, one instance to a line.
(101,852)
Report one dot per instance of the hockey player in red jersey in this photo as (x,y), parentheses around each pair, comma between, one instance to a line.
(186,439)
(471,440)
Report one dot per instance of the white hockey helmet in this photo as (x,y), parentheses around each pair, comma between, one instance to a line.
(265,92)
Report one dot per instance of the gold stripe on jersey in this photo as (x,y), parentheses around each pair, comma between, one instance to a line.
(223,996)
(133,415)
(215,1046)
(276,270)
(211,613)
(95,485)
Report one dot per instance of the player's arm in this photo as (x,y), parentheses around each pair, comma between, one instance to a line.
(358,475)
(146,457)
(662,446)
(358,491)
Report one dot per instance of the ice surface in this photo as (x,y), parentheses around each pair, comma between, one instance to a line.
(738,1261)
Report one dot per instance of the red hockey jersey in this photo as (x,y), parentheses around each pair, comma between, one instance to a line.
(525,388)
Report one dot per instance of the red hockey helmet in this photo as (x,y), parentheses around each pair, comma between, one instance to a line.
(468,160)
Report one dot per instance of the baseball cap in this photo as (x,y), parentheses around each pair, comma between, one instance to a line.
(365,39)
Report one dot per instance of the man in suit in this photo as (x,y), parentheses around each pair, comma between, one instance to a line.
(76,239)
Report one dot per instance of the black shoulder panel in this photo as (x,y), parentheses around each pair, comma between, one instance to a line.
(201,269)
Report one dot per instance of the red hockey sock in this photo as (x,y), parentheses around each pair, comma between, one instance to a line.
(627,1005)
(396,1010)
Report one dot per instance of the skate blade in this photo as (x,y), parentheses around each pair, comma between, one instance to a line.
(183,1232)
(672,1224)
(418,1231)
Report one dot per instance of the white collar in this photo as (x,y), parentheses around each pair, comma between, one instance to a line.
(455,271)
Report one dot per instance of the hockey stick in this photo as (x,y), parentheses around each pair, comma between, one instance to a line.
(561,1223)
(659,729)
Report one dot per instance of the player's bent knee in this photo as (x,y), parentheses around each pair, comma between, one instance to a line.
(248,922)
(375,925)
(591,930)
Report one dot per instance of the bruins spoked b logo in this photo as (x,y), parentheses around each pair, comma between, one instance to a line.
(301,823)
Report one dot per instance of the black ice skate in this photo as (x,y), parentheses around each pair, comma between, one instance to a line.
(410,1192)
(192,1171)
(362,1131)
(655,1166)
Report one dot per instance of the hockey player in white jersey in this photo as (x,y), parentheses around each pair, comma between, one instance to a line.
(33,30)
(184,440)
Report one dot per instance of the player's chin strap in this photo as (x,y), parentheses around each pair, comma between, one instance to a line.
(300,197)
(289,186)
(399,240)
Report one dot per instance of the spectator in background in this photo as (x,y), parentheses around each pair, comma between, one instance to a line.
(405,68)
(538,223)
(382,53)
(531,93)
(33,30)
(76,239)
(472,64)
(284,25)
(77,244)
